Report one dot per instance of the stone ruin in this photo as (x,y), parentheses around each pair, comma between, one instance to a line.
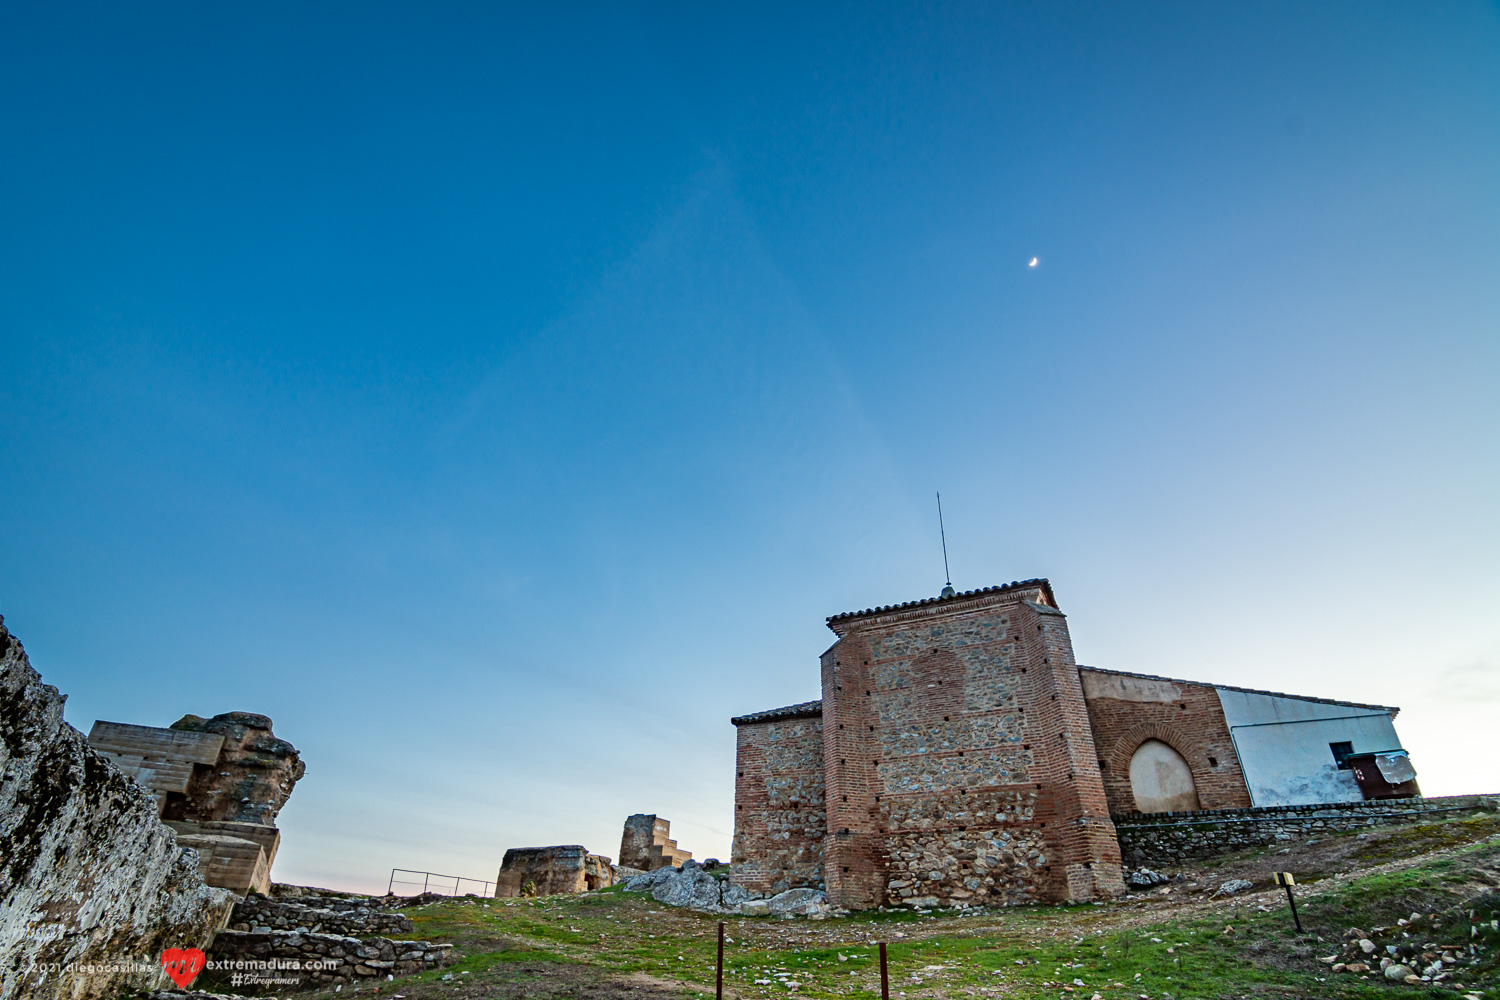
(550,871)
(89,875)
(336,939)
(647,844)
(218,782)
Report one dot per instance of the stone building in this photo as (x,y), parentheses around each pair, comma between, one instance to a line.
(961,756)
(218,782)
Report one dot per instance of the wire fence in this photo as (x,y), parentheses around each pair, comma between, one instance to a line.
(442,885)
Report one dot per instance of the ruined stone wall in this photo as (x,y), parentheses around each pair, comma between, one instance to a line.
(319,958)
(318,915)
(1126,710)
(646,844)
(947,724)
(1168,838)
(88,874)
(218,782)
(549,871)
(780,816)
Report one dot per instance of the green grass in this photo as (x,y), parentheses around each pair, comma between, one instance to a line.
(1118,951)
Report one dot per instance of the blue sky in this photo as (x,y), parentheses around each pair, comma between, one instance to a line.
(500,398)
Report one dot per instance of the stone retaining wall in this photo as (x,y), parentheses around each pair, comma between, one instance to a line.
(1166,838)
(317,914)
(326,958)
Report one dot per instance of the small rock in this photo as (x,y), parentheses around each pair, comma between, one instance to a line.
(1233,886)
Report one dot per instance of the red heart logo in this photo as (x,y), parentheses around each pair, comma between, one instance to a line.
(182,964)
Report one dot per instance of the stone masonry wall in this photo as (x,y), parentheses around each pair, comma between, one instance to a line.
(321,958)
(317,914)
(1167,838)
(968,849)
(1126,711)
(88,874)
(948,723)
(780,817)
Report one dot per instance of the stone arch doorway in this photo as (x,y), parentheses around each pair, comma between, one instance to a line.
(1161,780)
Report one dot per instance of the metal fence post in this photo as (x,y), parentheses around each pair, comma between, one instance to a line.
(885,979)
(719,978)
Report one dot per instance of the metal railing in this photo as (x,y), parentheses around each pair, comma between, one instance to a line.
(433,882)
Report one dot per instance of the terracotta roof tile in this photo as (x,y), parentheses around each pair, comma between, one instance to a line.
(806,710)
(934,601)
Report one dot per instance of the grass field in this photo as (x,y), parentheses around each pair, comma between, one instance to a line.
(614,943)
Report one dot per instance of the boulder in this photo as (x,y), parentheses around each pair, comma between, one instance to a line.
(1397,973)
(797,902)
(1145,878)
(650,880)
(692,887)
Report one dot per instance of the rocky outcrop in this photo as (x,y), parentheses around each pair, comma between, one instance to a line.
(548,871)
(697,887)
(89,876)
(252,778)
(692,887)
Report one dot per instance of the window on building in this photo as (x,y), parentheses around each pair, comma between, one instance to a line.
(1341,752)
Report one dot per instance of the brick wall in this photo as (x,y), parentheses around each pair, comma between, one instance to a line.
(1167,838)
(1126,710)
(779,809)
(960,764)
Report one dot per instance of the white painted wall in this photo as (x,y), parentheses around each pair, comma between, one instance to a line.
(1283,746)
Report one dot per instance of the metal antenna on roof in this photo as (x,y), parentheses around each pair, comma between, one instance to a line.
(943,534)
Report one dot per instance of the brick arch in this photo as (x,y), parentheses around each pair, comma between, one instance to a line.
(1126,746)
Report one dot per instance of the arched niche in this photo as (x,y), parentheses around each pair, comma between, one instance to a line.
(1161,780)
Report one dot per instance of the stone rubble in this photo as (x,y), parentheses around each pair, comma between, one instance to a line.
(1424,948)
(1145,878)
